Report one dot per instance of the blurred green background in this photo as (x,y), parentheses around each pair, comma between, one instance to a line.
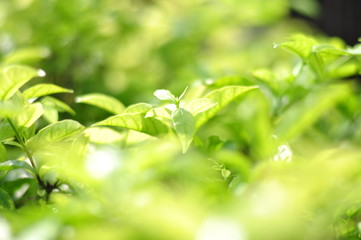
(129,48)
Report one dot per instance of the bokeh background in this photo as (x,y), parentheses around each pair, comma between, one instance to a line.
(238,181)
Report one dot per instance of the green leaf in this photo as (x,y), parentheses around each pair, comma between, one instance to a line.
(103,135)
(299,44)
(6,202)
(2,153)
(15,76)
(317,64)
(102,101)
(137,122)
(15,164)
(304,113)
(51,115)
(6,131)
(40,90)
(200,105)
(165,95)
(185,127)
(221,97)
(55,132)
(159,112)
(29,115)
(9,109)
(27,55)
(138,108)
(51,103)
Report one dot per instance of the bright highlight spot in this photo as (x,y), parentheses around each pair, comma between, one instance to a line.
(5,231)
(284,154)
(102,162)
(220,228)
(41,73)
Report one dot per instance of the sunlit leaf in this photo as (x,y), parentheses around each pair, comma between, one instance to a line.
(56,132)
(6,201)
(40,90)
(103,135)
(15,76)
(199,105)
(29,115)
(185,127)
(163,94)
(102,101)
(221,97)
(138,108)
(137,122)
(299,44)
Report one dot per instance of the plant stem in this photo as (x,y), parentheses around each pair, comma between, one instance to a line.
(47,187)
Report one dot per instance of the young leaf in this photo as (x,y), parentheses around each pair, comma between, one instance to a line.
(138,108)
(55,132)
(15,76)
(6,202)
(103,135)
(185,127)
(102,101)
(163,94)
(299,44)
(29,116)
(221,97)
(200,105)
(183,93)
(137,122)
(40,90)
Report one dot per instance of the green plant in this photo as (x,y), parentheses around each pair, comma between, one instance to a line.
(267,154)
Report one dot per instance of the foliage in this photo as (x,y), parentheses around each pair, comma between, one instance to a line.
(265,155)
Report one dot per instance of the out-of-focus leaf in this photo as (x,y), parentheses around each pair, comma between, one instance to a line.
(55,104)
(102,101)
(15,164)
(304,113)
(6,201)
(221,97)
(299,44)
(317,64)
(103,135)
(56,132)
(166,95)
(2,153)
(137,122)
(27,55)
(29,115)
(138,108)
(40,90)
(185,127)
(199,105)
(15,76)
